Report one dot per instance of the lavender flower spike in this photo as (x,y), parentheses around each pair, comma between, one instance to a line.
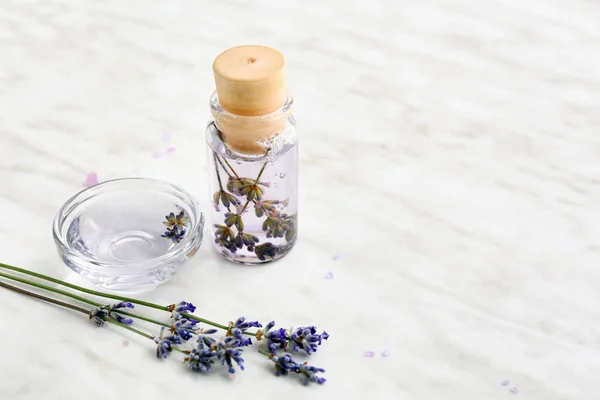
(240,326)
(164,347)
(165,344)
(307,339)
(310,374)
(201,359)
(100,314)
(183,307)
(275,337)
(284,364)
(205,340)
(229,350)
(118,317)
(183,328)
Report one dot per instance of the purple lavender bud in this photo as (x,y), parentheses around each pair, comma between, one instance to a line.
(201,359)
(123,304)
(237,333)
(123,320)
(275,337)
(284,363)
(184,307)
(228,351)
(310,374)
(164,345)
(183,328)
(205,340)
(241,324)
(102,313)
(307,339)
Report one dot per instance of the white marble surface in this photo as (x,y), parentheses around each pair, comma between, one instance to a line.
(450,155)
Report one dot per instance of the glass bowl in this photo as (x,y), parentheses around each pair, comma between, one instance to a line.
(128,235)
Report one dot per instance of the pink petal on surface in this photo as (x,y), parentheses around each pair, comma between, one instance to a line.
(91,179)
(231,377)
(125,342)
(513,390)
(369,354)
(171,149)
(157,155)
(329,275)
(386,353)
(166,137)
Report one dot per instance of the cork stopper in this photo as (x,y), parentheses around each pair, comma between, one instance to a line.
(250,80)
(251,89)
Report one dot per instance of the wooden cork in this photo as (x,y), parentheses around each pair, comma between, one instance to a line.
(250,82)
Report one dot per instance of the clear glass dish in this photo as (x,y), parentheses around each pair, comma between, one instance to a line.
(128,235)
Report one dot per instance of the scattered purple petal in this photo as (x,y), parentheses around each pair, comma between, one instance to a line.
(329,275)
(505,383)
(171,149)
(386,353)
(513,390)
(157,155)
(336,257)
(91,179)
(369,353)
(166,137)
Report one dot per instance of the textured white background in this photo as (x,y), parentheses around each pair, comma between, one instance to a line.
(450,154)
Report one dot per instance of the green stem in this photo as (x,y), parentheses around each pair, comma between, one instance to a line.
(100,294)
(71,307)
(219,178)
(78,298)
(231,168)
(265,353)
(261,172)
(217,171)
(255,182)
(44,298)
(82,289)
(129,328)
(218,159)
(236,175)
(50,289)
(206,321)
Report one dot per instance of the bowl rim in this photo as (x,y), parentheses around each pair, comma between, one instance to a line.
(189,242)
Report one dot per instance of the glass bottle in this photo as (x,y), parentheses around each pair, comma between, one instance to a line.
(252,158)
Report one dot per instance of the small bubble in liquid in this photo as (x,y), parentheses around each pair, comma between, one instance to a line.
(238,161)
(282,175)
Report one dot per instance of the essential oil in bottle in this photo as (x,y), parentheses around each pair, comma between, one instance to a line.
(252,157)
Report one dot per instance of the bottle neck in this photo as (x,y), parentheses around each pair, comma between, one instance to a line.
(250,135)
